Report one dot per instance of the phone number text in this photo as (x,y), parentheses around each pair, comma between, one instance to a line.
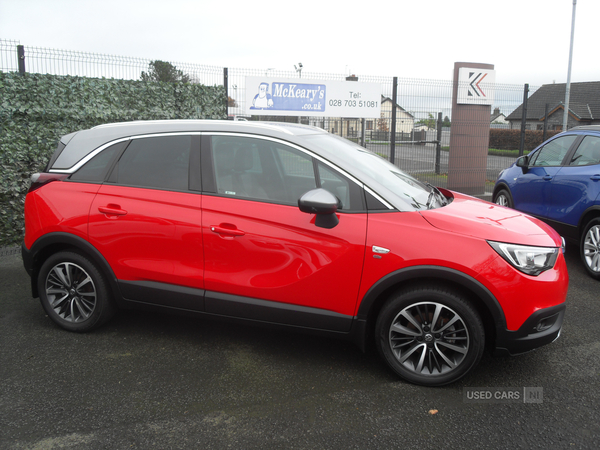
(354,103)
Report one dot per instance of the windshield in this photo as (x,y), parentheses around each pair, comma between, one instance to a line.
(404,191)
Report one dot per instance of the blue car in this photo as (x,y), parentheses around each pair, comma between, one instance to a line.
(559,182)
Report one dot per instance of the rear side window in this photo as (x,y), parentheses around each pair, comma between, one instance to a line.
(59,148)
(95,170)
(157,162)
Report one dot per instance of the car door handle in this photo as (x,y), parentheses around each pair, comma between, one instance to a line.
(226,230)
(548,177)
(112,210)
(595,177)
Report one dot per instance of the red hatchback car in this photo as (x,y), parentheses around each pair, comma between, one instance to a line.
(291,227)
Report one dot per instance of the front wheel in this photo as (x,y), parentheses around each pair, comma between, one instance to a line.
(73,292)
(430,336)
(590,248)
(503,198)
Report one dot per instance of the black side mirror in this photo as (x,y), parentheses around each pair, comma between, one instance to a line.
(523,163)
(322,203)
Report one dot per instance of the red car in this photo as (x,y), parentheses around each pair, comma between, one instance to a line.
(291,227)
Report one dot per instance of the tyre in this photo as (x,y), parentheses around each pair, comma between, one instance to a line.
(430,336)
(503,198)
(73,292)
(590,248)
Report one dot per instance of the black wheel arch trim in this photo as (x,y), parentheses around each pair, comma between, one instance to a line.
(429,274)
(595,209)
(499,187)
(32,262)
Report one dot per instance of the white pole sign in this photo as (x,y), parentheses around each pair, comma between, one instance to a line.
(299,97)
(476,86)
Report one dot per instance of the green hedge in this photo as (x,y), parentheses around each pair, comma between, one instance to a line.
(35,110)
(511,139)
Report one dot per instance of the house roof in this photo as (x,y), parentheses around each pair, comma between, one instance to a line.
(584,101)
(496,115)
(387,99)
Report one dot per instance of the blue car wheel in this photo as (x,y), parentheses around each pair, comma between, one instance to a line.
(590,248)
(503,198)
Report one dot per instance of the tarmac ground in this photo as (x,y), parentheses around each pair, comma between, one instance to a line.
(158,381)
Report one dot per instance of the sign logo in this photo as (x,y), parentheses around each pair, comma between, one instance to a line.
(476,86)
(290,97)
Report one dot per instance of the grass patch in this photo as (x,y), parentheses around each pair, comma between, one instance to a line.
(498,152)
(441,180)
(510,153)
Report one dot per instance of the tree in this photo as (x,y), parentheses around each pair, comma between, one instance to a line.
(164,71)
(382,124)
(429,122)
(231,102)
(446,122)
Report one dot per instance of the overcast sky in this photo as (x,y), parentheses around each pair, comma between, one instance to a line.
(526,40)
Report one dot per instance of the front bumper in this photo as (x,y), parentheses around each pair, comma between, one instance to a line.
(541,328)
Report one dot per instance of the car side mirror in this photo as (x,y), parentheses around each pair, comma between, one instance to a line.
(523,163)
(322,203)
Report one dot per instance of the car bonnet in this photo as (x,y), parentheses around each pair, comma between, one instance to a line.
(473,217)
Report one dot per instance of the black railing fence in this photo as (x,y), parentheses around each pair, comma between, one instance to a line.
(421,108)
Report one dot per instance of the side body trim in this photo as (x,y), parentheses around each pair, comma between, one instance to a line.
(274,312)
(163,294)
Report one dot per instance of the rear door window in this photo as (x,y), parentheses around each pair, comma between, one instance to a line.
(155,162)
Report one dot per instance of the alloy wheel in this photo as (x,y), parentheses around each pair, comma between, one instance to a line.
(429,338)
(502,200)
(591,249)
(71,292)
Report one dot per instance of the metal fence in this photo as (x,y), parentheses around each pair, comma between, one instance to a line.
(15,57)
(422,107)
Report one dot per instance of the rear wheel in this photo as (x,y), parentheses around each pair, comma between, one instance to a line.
(73,292)
(430,336)
(503,198)
(590,248)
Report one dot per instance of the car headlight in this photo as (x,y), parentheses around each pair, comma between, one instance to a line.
(527,259)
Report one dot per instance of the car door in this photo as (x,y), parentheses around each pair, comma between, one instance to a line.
(531,191)
(145,220)
(264,258)
(576,186)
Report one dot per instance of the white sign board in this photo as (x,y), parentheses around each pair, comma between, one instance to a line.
(476,86)
(298,97)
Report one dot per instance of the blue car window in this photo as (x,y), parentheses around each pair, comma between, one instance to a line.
(553,153)
(587,153)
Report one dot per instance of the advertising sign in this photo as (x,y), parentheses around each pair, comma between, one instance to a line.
(476,86)
(303,97)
